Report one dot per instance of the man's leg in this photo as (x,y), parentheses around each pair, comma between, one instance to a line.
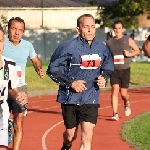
(124,91)
(88,119)
(18,118)
(125,98)
(86,135)
(124,94)
(69,136)
(114,98)
(18,130)
(69,113)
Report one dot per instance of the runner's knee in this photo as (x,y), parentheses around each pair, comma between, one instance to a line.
(87,134)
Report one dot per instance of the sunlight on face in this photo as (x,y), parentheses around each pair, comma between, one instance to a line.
(87,28)
(16,31)
(118,29)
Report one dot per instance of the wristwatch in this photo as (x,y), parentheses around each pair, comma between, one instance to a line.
(148,38)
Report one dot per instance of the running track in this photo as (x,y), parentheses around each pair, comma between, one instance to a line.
(43,127)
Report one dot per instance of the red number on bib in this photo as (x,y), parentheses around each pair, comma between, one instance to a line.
(90,63)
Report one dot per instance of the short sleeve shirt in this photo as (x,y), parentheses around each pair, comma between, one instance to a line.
(19,53)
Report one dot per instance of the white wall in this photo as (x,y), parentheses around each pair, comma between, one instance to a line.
(45,41)
(57,17)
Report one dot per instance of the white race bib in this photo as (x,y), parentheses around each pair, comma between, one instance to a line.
(119,59)
(90,61)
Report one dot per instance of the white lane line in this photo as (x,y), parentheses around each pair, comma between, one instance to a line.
(45,134)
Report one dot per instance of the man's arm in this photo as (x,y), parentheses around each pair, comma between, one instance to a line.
(19,96)
(107,68)
(56,67)
(38,66)
(135,49)
(146,46)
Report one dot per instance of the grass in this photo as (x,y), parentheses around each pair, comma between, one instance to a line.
(35,83)
(139,75)
(136,131)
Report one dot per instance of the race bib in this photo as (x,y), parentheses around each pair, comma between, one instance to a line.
(119,59)
(90,61)
(3,86)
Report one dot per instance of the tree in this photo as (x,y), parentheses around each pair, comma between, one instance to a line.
(3,22)
(124,10)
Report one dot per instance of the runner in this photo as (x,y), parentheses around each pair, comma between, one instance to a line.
(122,49)
(8,83)
(81,66)
(19,50)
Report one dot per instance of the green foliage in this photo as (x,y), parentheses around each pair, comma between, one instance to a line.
(3,21)
(124,10)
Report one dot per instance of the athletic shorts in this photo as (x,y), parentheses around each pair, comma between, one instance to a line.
(4,116)
(14,105)
(121,77)
(74,114)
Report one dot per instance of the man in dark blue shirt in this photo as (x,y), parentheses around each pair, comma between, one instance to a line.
(81,66)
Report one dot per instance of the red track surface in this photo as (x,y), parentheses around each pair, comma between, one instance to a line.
(43,127)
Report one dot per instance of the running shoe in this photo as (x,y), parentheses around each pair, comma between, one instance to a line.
(115,117)
(127,109)
(66,147)
(10,129)
(25,112)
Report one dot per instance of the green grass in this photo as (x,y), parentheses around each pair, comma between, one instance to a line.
(139,75)
(137,131)
(35,83)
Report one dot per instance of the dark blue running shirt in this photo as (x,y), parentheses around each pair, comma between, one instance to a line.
(76,60)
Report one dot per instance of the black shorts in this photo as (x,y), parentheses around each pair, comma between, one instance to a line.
(74,114)
(121,77)
(14,105)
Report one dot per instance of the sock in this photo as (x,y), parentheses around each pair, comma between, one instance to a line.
(67,147)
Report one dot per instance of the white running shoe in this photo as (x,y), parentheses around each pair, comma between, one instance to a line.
(115,117)
(127,111)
